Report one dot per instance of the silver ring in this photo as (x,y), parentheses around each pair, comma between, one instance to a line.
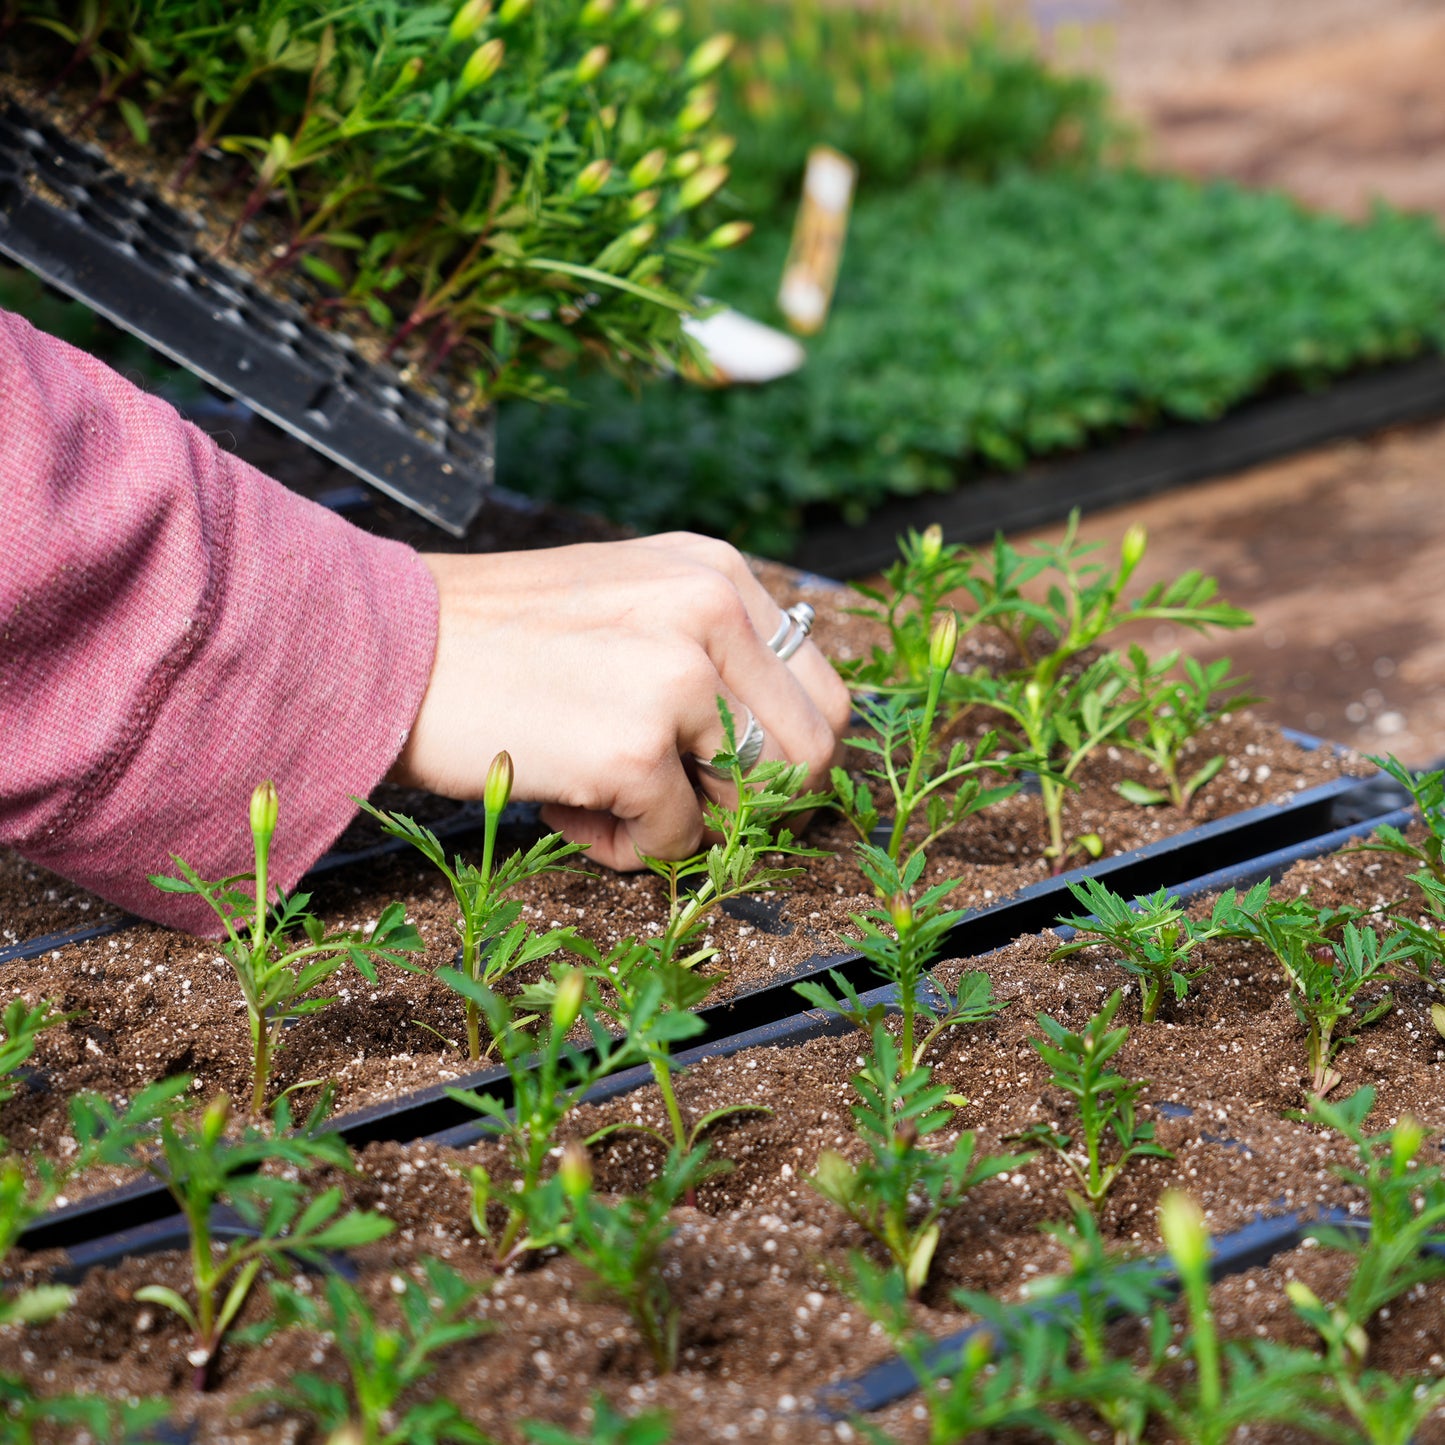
(793,630)
(750,749)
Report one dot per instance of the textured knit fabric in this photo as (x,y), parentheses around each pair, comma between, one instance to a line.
(174,628)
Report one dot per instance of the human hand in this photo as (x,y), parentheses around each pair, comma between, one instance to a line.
(598,668)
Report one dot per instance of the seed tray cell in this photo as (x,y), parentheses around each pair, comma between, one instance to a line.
(69,216)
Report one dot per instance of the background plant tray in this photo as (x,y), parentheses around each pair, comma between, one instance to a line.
(69,216)
(431,1115)
(1108,475)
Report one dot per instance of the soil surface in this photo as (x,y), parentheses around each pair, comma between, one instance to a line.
(754,1268)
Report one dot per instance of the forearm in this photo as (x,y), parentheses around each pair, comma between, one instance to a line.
(174,627)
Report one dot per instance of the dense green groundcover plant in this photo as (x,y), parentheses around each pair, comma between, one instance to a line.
(977,326)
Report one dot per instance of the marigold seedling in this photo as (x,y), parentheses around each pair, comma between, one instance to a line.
(383,1362)
(899,1192)
(277,977)
(200,1165)
(1107,1102)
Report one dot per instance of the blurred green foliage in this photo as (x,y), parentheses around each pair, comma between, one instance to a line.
(976,326)
(901,87)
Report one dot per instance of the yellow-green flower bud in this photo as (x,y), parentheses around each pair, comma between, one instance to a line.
(215,1118)
(684,164)
(468,20)
(568,1000)
(1132,548)
(708,56)
(595,12)
(930,545)
(1181,1222)
(592,177)
(1301,1296)
(481,1183)
(719,148)
(481,66)
(701,185)
(943,645)
(1437,1017)
(700,108)
(900,910)
(265,807)
(512,10)
(633,8)
(667,22)
(640,237)
(642,204)
(728,235)
(575,1170)
(1033,697)
(920,1257)
(647,170)
(347,1434)
(607,116)
(498,787)
(592,64)
(1405,1140)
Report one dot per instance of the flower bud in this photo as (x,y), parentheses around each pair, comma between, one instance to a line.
(728,235)
(592,177)
(481,1183)
(1301,1296)
(1181,1222)
(900,910)
(607,116)
(642,204)
(701,185)
(1033,697)
(595,12)
(1132,548)
(592,64)
(667,22)
(575,1170)
(719,148)
(265,807)
(700,108)
(708,56)
(1405,1140)
(647,170)
(481,66)
(215,1118)
(468,20)
(943,645)
(1437,1017)
(512,10)
(567,1003)
(640,237)
(498,787)
(930,545)
(684,164)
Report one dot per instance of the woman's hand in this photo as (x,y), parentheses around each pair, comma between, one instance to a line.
(598,668)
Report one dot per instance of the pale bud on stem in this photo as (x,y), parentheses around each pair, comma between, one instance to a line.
(943,645)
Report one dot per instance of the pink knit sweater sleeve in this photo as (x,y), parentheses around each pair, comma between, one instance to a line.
(174,628)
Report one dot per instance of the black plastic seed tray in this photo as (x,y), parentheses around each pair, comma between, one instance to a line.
(431,1115)
(69,216)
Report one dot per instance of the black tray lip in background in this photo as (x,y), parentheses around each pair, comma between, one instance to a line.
(144,1201)
(1108,475)
(119,249)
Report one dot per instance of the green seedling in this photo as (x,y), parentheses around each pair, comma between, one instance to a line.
(1428,791)
(1177,711)
(900,942)
(1231,1386)
(277,977)
(620,1243)
(991,1389)
(1106,1102)
(494,940)
(1327,960)
(20,1030)
(1084,1303)
(900,1191)
(1407,1211)
(27,1419)
(201,1166)
(1063,721)
(647,985)
(608,1427)
(921,778)
(1152,938)
(383,1363)
(549,1077)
